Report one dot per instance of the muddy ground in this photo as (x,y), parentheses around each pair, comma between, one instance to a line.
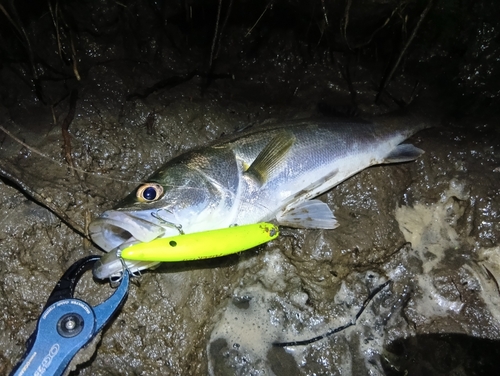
(134,84)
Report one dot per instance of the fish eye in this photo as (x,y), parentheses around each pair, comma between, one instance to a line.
(149,192)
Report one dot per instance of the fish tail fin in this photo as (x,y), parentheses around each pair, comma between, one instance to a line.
(424,112)
(404,122)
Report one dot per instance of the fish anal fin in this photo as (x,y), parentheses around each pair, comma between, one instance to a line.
(403,153)
(308,214)
(271,156)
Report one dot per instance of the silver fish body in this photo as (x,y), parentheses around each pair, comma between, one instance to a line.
(260,175)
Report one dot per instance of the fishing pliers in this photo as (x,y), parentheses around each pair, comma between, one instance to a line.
(67,324)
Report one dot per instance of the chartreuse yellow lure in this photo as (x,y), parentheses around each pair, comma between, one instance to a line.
(202,245)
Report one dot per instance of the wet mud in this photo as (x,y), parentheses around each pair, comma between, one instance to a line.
(149,90)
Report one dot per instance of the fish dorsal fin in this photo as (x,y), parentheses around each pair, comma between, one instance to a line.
(403,153)
(308,214)
(271,156)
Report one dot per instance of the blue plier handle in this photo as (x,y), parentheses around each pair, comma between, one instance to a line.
(67,324)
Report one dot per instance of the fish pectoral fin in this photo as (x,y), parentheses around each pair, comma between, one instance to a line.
(308,214)
(271,156)
(403,153)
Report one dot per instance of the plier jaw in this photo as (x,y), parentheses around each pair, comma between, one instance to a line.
(68,324)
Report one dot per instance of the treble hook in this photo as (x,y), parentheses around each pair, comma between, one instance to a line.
(164,221)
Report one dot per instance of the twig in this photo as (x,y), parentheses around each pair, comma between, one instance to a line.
(7,15)
(490,274)
(376,30)
(346,21)
(224,26)
(340,328)
(150,123)
(214,41)
(256,22)
(11,174)
(65,128)
(20,29)
(88,219)
(59,15)
(74,58)
(324,12)
(384,82)
(55,21)
(346,74)
(38,152)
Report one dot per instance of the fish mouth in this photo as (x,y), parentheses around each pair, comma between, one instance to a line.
(115,230)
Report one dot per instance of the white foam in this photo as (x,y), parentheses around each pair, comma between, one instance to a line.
(431,229)
(272,312)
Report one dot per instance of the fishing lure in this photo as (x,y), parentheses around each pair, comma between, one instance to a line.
(202,245)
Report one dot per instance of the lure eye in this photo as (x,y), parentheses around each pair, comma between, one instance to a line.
(149,192)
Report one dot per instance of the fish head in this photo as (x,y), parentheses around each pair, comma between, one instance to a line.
(142,216)
(152,211)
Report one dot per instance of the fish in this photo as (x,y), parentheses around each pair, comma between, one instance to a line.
(268,173)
